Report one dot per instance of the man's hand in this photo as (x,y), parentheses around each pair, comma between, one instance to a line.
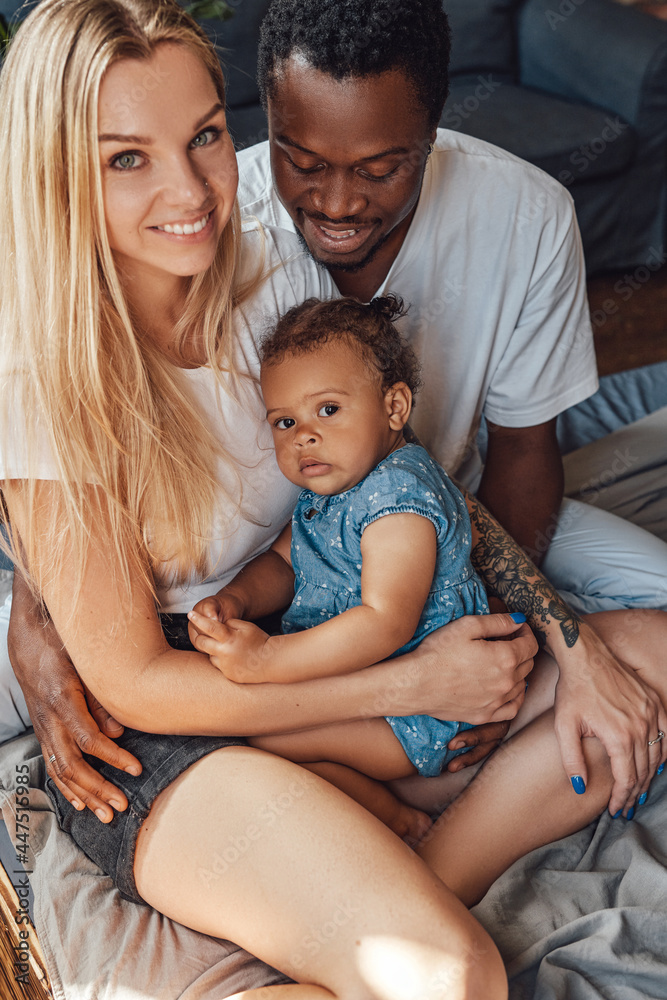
(66,725)
(482,740)
(235,648)
(599,694)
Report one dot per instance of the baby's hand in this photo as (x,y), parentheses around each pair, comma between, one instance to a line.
(221,607)
(235,647)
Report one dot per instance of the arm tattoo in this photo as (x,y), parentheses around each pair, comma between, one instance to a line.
(510,575)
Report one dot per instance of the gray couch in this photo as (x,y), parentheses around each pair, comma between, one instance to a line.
(578,87)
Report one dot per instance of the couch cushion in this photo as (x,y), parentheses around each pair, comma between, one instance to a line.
(483,36)
(236,41)
(570,141)
(15,9)
(8,8)
(247,125)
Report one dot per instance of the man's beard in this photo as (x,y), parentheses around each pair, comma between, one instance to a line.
(343,267)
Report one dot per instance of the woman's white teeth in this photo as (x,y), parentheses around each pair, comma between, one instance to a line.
(339,235)
(187,229)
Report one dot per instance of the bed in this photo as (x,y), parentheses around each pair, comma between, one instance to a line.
(582,919)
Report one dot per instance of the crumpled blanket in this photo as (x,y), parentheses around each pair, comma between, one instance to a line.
(584,918)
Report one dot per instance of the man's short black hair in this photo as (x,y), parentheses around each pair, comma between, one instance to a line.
(361,38)
(368,327)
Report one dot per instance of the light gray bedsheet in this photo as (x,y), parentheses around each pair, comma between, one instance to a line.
(582,919)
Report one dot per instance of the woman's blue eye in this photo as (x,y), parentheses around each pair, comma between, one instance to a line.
(284,423)
(126,161)
(328,410)
(206,137)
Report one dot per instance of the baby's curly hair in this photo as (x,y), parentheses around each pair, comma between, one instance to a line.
(367,326)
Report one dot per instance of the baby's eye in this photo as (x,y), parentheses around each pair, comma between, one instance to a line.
(284,423)
(126,161)
(328,410)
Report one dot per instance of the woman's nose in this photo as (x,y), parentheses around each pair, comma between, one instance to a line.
(184,184)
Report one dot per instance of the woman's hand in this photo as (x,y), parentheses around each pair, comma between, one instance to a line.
(67,723)
(462,672)
(598,694)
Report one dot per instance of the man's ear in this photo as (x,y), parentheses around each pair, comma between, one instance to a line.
(398,401)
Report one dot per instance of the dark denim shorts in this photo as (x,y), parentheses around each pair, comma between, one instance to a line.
(163,758)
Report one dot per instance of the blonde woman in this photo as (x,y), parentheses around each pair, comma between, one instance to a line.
(138,473)
(133,434)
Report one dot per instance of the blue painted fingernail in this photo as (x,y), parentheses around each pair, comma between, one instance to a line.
(617,814)
(631,813)
(578,784)
(517,617)
(642,798)
(661,768)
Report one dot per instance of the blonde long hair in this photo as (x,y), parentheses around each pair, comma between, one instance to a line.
(114,411)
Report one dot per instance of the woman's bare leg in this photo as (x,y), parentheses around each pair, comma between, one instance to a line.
(289,991)
(522,798)
(253,848)
(436,794)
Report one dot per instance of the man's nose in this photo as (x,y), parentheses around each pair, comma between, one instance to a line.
(338,196)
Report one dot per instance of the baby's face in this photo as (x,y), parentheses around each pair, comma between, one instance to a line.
(330,418)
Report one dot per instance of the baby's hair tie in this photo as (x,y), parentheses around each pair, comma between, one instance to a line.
(390,306)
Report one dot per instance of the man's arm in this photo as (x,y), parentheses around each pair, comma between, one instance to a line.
(597,695)
(66,724)
(522,484)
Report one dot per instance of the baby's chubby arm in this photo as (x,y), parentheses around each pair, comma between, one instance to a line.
(398,561)
(264,585)
(220,625)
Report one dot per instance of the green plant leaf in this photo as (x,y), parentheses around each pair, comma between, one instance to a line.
(4,31)
(210,10)
(7,32)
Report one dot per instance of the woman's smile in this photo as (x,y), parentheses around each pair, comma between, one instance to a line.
(185,228)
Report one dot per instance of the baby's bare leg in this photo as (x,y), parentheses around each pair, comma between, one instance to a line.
(369,746)
(356,757)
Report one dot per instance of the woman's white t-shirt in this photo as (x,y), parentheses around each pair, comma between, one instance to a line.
(237,416)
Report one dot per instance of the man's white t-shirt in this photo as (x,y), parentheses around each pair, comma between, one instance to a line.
(493,271)
(237,416)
